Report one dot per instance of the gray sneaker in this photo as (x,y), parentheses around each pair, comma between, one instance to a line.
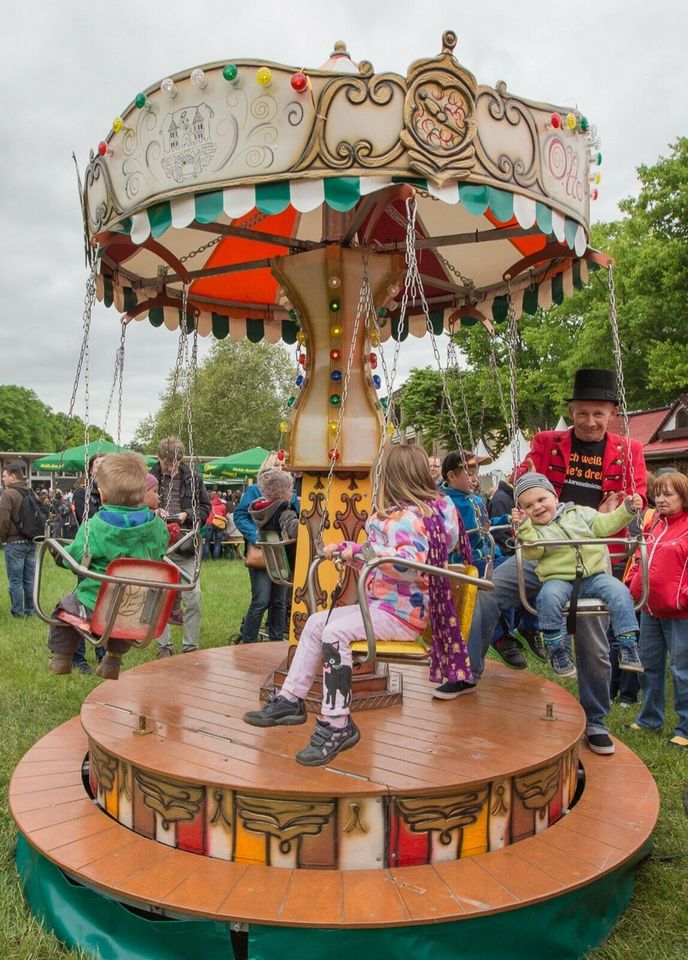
(629,659)
(277,712)
(327,741)
(560,660)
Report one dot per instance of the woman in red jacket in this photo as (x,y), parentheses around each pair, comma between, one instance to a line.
(664,619)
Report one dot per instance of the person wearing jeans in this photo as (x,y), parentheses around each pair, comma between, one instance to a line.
(20,552)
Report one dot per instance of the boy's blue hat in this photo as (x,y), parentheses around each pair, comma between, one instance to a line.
(529,480)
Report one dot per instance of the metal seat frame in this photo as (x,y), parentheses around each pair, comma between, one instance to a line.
(158,592)
(277,564)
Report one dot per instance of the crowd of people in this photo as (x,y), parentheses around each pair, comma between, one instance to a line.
(580,485)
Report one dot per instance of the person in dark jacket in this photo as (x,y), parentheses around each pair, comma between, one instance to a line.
(79,497)
(180,492)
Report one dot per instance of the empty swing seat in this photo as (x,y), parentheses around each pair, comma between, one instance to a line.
(127,610)
(278,555)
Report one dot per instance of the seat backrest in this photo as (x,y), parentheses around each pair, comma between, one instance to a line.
(464,596)
(137,607)
(277,559)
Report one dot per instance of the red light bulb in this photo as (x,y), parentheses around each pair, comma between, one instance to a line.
(333,454)
(280,455)
(335,354)
(595,194)
(555,120)
(102,148)
(299,82)
(372,360)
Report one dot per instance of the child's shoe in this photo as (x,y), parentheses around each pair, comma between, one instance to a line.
(629,658)
(560,660)
(277,712)
(327,741)
(450,691)
(109,666)
(61,663)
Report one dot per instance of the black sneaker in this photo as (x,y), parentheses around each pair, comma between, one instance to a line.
(601,743)
(449,691)
(277,712)
(629,659)
(509,649)
(534,640)
(82,667)
(560,661)
(327,741)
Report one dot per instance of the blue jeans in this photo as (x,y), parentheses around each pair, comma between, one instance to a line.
(212,543)
(20,564)
(657,639)
(265,595)
(592,648)
(555,594)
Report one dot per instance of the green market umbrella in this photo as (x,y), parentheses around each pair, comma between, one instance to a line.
(74,458)
(239,465)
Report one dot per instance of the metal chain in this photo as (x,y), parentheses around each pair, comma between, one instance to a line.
(465,281)
(453,363)
(201,249)
(627,464)
(512,333)
(121,383)
(360,313)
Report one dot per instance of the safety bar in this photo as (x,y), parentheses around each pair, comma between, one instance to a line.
(365,573)
(81,571)
(628,542)
(486,535)
(271,550)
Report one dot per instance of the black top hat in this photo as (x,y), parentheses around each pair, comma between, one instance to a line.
(594,385)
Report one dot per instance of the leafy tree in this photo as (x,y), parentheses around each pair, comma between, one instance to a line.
(238,399)
(26,423)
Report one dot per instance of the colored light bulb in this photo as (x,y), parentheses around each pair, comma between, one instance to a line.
(555,120)
(264,76)
(336,375)
(303,359)
(102,148)
(284,426)
(198,78)
(140,100)
(377,382)
(332,425)
(300,337)
(169,87)
(382,312)
(299,82)
(334,283)
(598,159)
(280,455)
(571,121)
(291,401)
(231,73)
(117,124)
(598,177)
(595,194)
(333,454)
(390,429)
(335,305)
(335,354)
(374,339)
(584,124)
(336,331)
(335,399)
(293,314)
(299,380)
(372,360)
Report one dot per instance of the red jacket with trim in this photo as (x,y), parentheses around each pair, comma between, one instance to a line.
(550,451)
(667,567)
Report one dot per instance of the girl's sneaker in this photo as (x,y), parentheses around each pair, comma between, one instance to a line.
(449,691)
(560,660)
(327,741)
(277,712)
(629,658)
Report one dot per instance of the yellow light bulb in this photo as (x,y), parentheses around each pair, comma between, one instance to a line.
(336,331)
(390,430)
(571,121)
(374,339)
(301,337)
(332,426)
(264,76)
(598,177)
(284,426)
(117,124)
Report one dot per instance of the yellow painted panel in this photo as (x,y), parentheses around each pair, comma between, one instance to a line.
(112,796)
(474,840)
(249,847)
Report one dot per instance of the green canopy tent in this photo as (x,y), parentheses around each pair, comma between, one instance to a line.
(239,466)
(74,458)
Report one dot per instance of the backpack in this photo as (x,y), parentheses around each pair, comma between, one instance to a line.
(33,515)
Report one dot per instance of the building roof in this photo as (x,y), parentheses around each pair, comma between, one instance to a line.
(643,425)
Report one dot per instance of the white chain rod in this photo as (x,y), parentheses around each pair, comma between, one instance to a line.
(627,465)
(513,400)
(453,364)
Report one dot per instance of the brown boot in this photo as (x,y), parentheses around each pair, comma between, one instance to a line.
(61,663)
(108,668)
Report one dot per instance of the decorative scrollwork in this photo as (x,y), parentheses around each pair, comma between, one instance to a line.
(104,767)
(525,170)
(537,788)
(442,813)
(358,92)
(284,819)
(170,798)
(355,821)
(499,806)
(220,815)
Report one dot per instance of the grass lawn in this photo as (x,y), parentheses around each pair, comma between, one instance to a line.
(33,701)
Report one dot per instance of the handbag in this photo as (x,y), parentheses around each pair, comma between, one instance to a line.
(254,557)
(219,521)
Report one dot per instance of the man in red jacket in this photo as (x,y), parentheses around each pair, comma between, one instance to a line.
(589,466)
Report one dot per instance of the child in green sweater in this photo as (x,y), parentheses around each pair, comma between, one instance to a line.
(123,527)
(539,517)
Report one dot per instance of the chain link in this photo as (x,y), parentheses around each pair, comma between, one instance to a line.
(627,465)
(465,281)
(512,333)
(453,364)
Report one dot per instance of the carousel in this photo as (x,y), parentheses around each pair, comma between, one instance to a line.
(343,212)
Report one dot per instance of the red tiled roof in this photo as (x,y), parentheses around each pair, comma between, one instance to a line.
(643,425)
(666,446)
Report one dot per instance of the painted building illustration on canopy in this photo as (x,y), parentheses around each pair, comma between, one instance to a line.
(188,146)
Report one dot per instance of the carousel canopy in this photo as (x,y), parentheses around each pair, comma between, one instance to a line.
(211,176)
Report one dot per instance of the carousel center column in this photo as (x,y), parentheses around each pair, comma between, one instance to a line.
(324,286)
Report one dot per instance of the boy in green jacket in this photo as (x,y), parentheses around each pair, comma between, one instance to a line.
(539,517)
(122,527)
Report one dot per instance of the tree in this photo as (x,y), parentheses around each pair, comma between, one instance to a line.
(26,423)
(238,398)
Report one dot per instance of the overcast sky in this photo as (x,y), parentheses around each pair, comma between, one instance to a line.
(69,67)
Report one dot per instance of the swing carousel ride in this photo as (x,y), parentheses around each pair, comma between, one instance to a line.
(337,210)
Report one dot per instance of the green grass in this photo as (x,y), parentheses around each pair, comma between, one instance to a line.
(33,701)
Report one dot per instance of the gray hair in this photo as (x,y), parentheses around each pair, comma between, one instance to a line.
(275,484)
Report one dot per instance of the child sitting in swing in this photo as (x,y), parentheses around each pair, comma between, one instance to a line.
(413,521)
(123,527)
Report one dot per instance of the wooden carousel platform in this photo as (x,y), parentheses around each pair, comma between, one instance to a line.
(444,813)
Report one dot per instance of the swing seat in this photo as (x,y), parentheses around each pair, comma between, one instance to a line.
(129,611)
(277,564)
